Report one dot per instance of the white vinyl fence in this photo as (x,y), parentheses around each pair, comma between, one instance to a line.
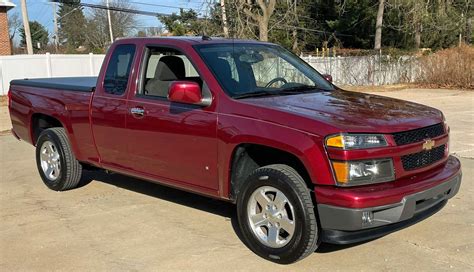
(363,70)
(47,65)
(367,70)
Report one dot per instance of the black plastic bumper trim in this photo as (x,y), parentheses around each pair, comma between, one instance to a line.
(348,237)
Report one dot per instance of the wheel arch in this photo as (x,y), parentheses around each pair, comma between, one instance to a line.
(246,157)
(40,122)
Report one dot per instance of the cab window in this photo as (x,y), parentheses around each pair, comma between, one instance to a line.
(162,67)
(118,69)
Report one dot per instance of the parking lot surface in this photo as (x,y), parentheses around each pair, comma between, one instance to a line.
(117,223)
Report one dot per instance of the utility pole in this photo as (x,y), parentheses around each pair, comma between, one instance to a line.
(224,19)
(26,26)
(56,37)
(110,23)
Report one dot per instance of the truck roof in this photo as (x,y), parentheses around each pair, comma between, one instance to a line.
(191,40)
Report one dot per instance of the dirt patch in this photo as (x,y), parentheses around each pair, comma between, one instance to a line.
(5,132)
(3,100)
(119,223)
(5,123)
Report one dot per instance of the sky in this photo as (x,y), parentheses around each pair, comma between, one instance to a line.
(42,10)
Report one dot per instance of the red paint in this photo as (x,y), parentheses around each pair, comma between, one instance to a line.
(185,92)
(191,146)
(389,192)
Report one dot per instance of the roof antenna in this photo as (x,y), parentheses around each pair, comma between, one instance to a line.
(206,38)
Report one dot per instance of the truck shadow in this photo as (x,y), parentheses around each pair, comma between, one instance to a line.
(190,200)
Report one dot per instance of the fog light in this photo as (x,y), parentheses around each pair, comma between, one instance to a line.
(367,218)
(351,173)
(363,169)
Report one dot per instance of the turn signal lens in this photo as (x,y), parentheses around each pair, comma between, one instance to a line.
(356,141)
(335,141)
(341,170)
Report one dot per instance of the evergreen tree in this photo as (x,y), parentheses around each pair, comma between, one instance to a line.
(71,24)
(185,22)
(39,36)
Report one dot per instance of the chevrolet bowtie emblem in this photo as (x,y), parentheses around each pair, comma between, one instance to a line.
(428,144)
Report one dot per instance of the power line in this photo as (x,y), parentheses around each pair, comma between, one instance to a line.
(157,5)
(112,8)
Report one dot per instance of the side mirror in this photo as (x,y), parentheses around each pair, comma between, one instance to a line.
(187,92)
(328,77)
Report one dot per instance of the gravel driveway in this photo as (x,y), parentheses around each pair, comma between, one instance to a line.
(118,223)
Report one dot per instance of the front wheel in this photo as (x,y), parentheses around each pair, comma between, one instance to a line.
(56,163)
(276,214)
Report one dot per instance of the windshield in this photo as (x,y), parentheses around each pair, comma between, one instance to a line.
(245,70)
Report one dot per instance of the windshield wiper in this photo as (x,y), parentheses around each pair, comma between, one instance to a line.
(301,89)
(284,91)
(256,94)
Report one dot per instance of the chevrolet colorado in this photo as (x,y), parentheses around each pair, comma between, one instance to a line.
(247,122)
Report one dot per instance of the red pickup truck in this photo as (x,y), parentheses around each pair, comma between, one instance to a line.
(250,123)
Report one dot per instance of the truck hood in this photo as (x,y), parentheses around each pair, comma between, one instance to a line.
(354,112)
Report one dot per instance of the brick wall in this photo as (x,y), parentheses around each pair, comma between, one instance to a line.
(5,46)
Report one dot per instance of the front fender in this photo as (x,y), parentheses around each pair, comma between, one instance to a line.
(236,130)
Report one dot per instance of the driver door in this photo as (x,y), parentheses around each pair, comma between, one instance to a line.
(172,142)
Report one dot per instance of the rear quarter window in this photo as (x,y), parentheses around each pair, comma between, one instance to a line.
(118,69)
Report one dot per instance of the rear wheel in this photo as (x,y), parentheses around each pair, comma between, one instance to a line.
(56,163)
(276,214)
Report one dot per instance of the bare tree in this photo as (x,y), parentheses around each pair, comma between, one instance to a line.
(378,25)
(14,24)
(123,23)
(294,47)
(225,28)
(413,14)
(260,12)
(417,19)
(240,25)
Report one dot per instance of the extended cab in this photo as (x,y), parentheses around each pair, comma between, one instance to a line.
(247,122)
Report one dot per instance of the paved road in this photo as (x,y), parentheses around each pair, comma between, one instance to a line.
(117,223)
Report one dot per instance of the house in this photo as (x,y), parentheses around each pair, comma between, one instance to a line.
(5,45)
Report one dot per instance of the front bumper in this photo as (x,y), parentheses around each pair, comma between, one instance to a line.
(343,225)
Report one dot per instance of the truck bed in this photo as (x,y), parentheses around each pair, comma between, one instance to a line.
(79,84)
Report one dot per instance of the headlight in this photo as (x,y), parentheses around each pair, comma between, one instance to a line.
(356,141)
(352,173)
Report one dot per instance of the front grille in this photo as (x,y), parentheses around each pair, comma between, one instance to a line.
(418,135)
(422,159)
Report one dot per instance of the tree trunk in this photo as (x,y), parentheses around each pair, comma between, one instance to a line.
(469,31)
(263,29)
(418,28)
(295,40)
(378,26)
(224,19)
(262,18)
(295,32)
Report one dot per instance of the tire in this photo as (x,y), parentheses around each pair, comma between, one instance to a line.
(58,167)
(290,246)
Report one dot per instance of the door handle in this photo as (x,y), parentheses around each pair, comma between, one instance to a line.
(137,111)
